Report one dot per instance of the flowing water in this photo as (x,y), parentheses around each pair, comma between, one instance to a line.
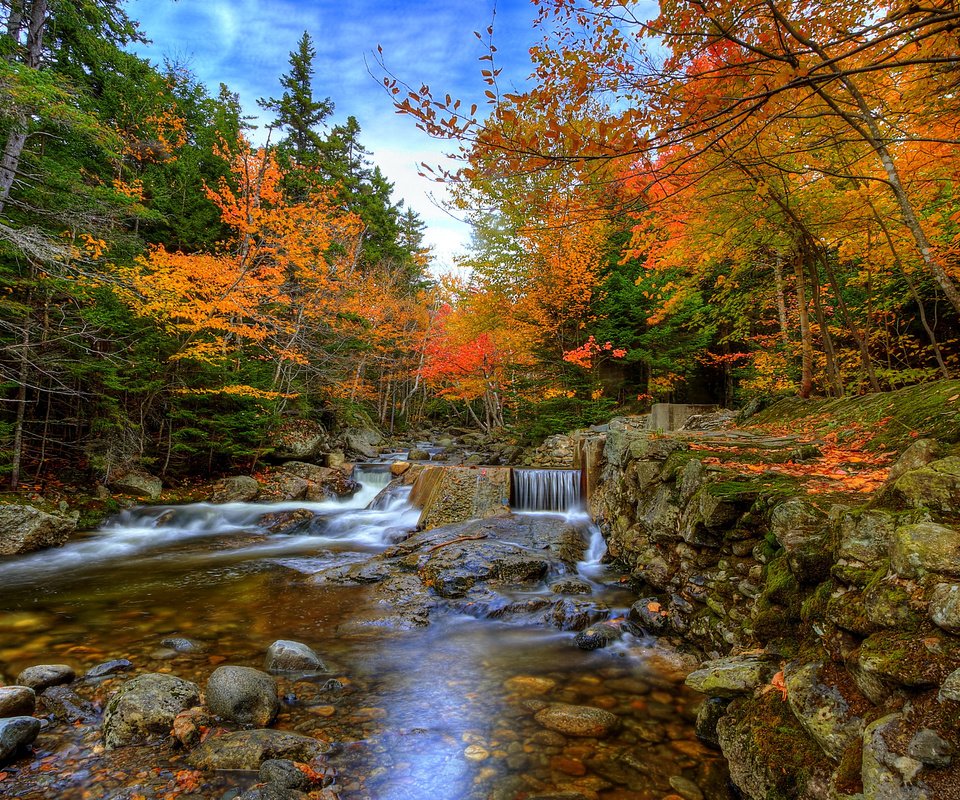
(445,712)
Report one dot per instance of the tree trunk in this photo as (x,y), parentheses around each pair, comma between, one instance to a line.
(806,345)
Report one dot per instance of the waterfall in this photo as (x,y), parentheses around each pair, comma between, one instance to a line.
(545,489)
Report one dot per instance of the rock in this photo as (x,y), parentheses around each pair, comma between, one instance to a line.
(804,532)
(282,522)
(41,676)
(15,734)
(236,489)
(139,484)
(416,454)
(109,668)
(935,486)
(917,455)
(950,689)
(450,495)
(945,606)
(730,676)
(570,586)
(647,613)
(144,708)
(67,706)
(928,747)
(287,656)
(280,486)
(865,536)
(685,787)
(189,726)
(24,528)
(17,701)
(821,708)
(299,439)
(284,773)
(243,695)
(398,468)
(925,547)
(709,714)
(323,482)
(249,749)
(598,636)
(271,792)
(573,720)
(910,660)
(362,441)
(182,644)
(882,770)
(529,684)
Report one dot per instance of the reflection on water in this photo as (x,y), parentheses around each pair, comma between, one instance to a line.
(444,712)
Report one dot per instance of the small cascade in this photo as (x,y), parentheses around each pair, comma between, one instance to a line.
(373,479)
(555,490)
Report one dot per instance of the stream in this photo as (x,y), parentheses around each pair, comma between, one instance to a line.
(444,712)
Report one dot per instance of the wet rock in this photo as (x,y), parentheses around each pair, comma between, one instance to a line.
(648,614)
(272,792)
(67,706)
(887,605)
(598,636)
(243,695)
(529,684)
(182,644)
(570,586)
(925,547)
(709,714)
(235,489)
(398,468)
(821,708)
(17,701)
(685,787)
(416,454)
(189,725)
(573,720)
(42,676)
(249,749)
(285,774)
(323,482)
(451,495)
(705,517)
(145,707)
(283,487)
(575,614)
(804,532)
(286,521)
(109,668)
(928,747)
(945,606)
(935,486)
(24,528)
(288,656)
(15,734)
(731,676)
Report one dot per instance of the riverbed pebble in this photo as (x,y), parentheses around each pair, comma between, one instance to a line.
(16,733)
(578,720)
(289,656)
(145,707)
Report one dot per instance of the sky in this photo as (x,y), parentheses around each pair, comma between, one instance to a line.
(246,44)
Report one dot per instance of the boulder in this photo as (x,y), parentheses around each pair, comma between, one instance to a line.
(648,614)
(236,489)
(249,749)
(139,484)
(286,521)
(67,706)
(910,660)
(362,441)
(448,495)
(883,771)
(822,708)
(15,734)
(288,656)
(731,676)
(284,774)
(299,439)
(917,455)
(243,695)
(950,688)
(923,548)
(24,528)
(598,636)
(282,486)
(17,701)
(930,748)
(865,536)
(41,676)
(416,454)
(144,708)
(324,482)
(573,720)
(935,486)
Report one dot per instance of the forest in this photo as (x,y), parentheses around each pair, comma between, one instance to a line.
(728,201)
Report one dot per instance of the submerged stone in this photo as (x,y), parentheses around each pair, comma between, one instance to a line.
(15,734)
(249,749)
(145,707)
(243,694)
(573,720)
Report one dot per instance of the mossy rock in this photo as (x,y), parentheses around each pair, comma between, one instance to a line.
(935,486)
(910,659)
(848,611)
(888,605)
(780,586)
(814,606)
(771,757)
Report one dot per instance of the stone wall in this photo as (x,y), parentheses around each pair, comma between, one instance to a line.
(828,627)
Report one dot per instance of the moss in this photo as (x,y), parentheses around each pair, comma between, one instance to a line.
(855,576)
(814,607)
(780,586)
(676,461)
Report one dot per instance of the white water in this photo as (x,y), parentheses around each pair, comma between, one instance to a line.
(204,533)
(555,490)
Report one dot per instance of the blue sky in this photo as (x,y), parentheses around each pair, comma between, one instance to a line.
(246,44)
